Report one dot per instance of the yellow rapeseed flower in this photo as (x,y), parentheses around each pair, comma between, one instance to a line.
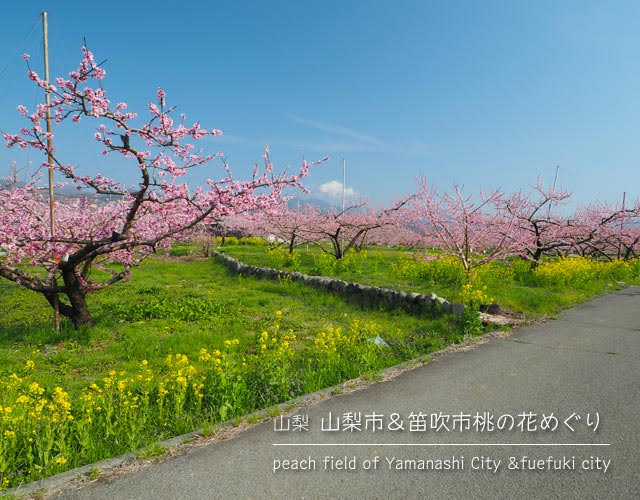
(35,388)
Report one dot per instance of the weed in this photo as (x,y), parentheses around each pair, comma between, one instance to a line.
(373,376)
(274,411)
(94,473)
(153,451)
(209,428)
(253,419)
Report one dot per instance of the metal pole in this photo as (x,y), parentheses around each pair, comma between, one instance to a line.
(52,203)
(344,180)
(555,179)
(624,197)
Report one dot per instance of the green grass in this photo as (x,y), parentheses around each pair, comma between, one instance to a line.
(520,293)
(178,306)
(182,304)
(154,450)
(373,270)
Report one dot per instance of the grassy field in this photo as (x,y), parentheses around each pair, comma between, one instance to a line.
(182,334)
(170,306)
(186,344)
(512,285)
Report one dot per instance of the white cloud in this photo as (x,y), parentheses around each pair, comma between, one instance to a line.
(334,189)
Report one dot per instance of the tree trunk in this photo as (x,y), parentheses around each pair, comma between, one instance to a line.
(337,249)
(292,243)
(206,247)
(80,314)
(77,311)
(536,259)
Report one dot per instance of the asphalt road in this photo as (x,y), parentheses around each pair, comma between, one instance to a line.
(584,363)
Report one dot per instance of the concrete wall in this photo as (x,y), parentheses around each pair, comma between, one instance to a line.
(369,295)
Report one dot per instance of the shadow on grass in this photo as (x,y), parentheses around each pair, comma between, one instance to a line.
(43,333)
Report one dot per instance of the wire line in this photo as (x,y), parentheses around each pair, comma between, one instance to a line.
(20,47)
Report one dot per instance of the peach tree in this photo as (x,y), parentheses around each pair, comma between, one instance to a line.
(99,238)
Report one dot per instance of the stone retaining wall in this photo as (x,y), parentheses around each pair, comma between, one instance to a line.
(370,295)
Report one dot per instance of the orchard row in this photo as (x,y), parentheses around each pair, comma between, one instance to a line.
(475,230)
(87,244)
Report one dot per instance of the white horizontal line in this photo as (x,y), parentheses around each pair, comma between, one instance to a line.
(441,444)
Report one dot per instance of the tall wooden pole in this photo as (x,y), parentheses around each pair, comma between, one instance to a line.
(52,203)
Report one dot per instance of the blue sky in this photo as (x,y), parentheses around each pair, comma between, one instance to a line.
(479,93)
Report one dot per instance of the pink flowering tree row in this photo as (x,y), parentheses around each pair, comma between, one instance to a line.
(283,224)
(338,231)
(606,231)
(475,229)
(494,225)
(334,231)
(115,236)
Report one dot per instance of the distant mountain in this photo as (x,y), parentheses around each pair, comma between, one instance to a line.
(70,192)
(7,184)
(306,200)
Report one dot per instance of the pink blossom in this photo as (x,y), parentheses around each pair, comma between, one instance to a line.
(124,230)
